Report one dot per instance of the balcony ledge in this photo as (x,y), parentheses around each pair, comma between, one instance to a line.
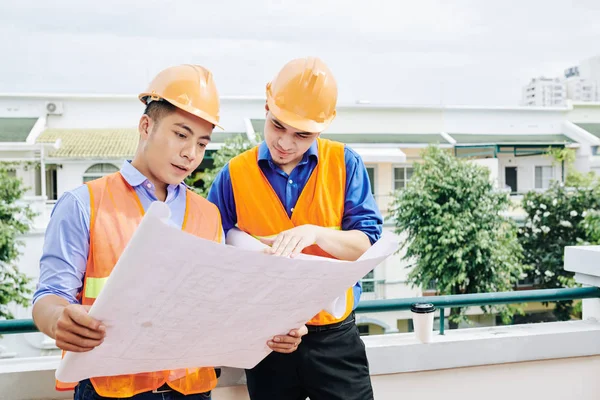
(400,353)
(388,354)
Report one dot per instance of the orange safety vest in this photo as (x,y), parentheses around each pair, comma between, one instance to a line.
(116,211)
(261,214)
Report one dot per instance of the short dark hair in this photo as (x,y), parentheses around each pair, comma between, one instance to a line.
(157,110)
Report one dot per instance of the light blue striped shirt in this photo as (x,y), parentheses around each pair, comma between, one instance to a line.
(67,241)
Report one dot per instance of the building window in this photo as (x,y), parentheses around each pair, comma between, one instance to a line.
(401,177)
(543,176)
(363,330)
(528,281)
(371,173)
(51,181)
(98,171)
(368,283)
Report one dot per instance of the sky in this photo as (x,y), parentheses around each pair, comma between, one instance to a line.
(462,52)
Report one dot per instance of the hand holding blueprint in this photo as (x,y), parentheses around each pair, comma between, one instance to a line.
(177,301)
(242,240)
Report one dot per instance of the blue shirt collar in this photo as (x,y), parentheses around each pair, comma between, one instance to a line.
(265,154)
(131,174)
(135,177)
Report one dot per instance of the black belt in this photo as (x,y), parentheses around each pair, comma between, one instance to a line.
(321,328)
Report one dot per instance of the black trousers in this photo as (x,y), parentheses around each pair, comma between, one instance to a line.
(330,364)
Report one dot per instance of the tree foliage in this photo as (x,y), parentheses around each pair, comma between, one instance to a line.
(564,215)
(231,148)
(15,220)
(455,232)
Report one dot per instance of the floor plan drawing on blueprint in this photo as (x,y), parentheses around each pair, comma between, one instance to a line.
(174,301)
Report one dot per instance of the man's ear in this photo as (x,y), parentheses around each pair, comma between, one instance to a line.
(266,108)
(145,126)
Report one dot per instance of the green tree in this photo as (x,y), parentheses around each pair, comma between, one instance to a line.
(564,215)
(591,226)
(15,220)
(456,235)
(566,157)
(231,148)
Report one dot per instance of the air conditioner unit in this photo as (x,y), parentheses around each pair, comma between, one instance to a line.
(54,108)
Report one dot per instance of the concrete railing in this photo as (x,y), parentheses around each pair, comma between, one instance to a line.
(551,361)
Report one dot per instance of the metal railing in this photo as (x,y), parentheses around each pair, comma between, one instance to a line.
(14,326)
(479,299)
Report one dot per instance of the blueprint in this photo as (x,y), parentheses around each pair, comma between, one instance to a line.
(177,301)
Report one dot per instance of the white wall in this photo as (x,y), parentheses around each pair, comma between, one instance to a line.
(391,120)
(585,113)
(70,175)
(494,121)
(27,175)
(493,165)
(525,169)
(124,111)
(573,378)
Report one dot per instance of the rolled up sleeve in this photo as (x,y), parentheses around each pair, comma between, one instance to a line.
(66,247)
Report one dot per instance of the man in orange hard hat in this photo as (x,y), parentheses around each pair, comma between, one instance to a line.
(300,193)
(91,225)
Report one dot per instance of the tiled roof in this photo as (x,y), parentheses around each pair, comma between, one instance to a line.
(118,143)
(92,143)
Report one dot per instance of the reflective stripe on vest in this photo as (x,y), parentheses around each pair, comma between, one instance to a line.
(261,214)
(115,213)
(93,286)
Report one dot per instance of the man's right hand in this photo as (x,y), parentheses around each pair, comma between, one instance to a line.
(74,330)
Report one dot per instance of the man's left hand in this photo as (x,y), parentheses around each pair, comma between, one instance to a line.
(288,343)
(293,241)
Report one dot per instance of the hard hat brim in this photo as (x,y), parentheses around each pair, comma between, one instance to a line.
(189,109)
(301,123)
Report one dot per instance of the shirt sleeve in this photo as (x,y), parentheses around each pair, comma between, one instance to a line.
(360,209)
(221,195)
(66,246)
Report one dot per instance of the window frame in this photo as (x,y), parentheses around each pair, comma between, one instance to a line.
(404,167)
(96,175)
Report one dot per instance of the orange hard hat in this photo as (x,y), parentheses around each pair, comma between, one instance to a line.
(188,87)
(304,95)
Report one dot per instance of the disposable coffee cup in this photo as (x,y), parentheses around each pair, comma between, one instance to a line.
(422,315)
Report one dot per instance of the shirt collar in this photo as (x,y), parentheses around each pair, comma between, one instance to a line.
(265,154)
(134,177)
(131,174)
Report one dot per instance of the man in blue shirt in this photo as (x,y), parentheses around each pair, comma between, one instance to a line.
(293,164)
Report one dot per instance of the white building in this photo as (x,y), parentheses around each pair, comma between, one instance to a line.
(581,83)
(545,92)
(582,90)
(590,69)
